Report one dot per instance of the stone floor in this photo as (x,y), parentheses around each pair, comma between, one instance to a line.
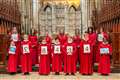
(35,76)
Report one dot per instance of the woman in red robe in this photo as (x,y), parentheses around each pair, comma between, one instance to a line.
(12,59)
(69,57)
(26,59)
(105,51)
(86,65)
(44,50)
(14,36)
(57,57)
(100,37)
(34,48)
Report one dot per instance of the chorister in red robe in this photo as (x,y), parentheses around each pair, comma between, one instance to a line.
(34,48)
(100,37)
(104,64)
(26,59)
(86,56)
(48,39)
(12,58)
(16,38)
(57,57)
(69,57)
(44,50)
(77,41)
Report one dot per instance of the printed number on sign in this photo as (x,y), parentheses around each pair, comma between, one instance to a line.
(87,48)
(26,49)
(57,49)
(12,50)
(104,50)
(69,50)
(44,50)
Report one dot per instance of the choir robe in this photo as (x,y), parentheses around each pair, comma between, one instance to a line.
(86,66)
(57,58)
(16,39)
(69,58)
(100,40)
(93,38)
(44,64)
(12,59)
(63,40)
(104,63)
(77,41)
(34,48)
(26,59)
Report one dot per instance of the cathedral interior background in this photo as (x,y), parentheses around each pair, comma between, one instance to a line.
(53,15)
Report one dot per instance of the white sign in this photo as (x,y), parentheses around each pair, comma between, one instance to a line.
(57,49)
(12,50)
(69,50)
(86,48)
(14,37)
(26,49)
(100,37)
(44,50)
(104,51)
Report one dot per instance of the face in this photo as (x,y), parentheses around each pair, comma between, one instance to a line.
(43,41)
(70,40)
(104,40)
(12,43)
(25,37)
(101,29)
(14,30)
(57,41)
(86,36)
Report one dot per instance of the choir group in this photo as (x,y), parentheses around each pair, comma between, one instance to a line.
(63,53)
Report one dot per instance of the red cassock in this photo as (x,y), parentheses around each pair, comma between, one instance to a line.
(69,58)
(48,39)
(86,66)
(77,41)
(100,40)
(16,39)
(44,65)
(12,59)
(34,48)
(57,58)
(26,59)
(93,38)
(62,39)
(104,63)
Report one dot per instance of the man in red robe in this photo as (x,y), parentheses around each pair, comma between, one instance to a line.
(57,57)
(44,50)
(105,51)
(100,40)
(14,36)
(12,59)
(86,66)
(34,47)
(26,59)
(69,57)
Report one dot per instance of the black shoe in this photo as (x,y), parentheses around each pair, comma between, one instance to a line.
(72,74)
(12,73)
(26,73)
(67,74)
(57,73)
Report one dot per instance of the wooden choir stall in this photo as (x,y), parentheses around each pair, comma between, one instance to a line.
(109,19)
(9,17)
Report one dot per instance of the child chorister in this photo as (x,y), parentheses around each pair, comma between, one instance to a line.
(105,51)
(86,66)
(69,57)
(26,59)
(12,60)
(57,57)
(44,50)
